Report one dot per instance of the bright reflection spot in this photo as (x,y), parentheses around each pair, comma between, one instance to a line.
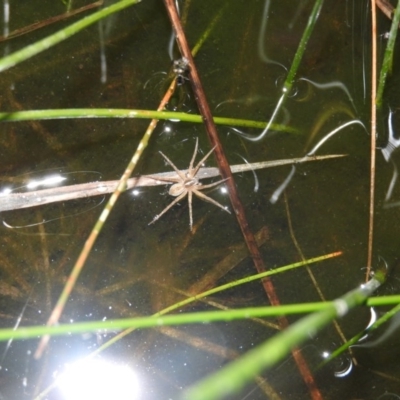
(6,191)
(135,192)
(223,190)
(100,380)
(325,354)
(51,180)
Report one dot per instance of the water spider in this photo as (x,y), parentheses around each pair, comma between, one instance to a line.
(186,183)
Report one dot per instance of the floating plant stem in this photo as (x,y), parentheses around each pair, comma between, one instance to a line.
(192,318)
(18,200)
(353,341)
(373,134)
(88,113)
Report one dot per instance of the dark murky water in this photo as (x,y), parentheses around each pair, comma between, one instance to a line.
(134,267)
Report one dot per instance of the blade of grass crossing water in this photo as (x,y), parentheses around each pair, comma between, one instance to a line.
(236,375)
(287,86)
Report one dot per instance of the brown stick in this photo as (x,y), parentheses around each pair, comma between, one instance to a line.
(49,21)
(222,162)
(373,140)
(225,171)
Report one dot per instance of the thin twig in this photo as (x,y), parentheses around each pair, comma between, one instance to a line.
(224,168)
(373,142)
(49,21)
(222,162)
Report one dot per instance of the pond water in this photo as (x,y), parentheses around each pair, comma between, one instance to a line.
(138,269)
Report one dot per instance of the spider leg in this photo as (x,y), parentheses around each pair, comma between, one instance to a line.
(201,187)
(183,177)
(171,179)
(190,210)
(201,162)
(194,156)
(168,207)
(209,199)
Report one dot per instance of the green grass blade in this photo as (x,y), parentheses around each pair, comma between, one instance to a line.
(44,44)
(388,57)
(32,332)
(76,113)
(233,377)
(359,335)
(287,86)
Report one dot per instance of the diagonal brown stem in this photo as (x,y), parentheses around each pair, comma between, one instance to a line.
(226,173)
(222,162)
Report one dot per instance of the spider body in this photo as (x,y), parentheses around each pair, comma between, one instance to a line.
(188,184)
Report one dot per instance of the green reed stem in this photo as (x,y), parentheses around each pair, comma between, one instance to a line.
(77,113)
(356,338)
(175,319)
(178,319)
(234,376)
(287,86)
(312,20)
(388,57)
(247,280)
(44,44)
